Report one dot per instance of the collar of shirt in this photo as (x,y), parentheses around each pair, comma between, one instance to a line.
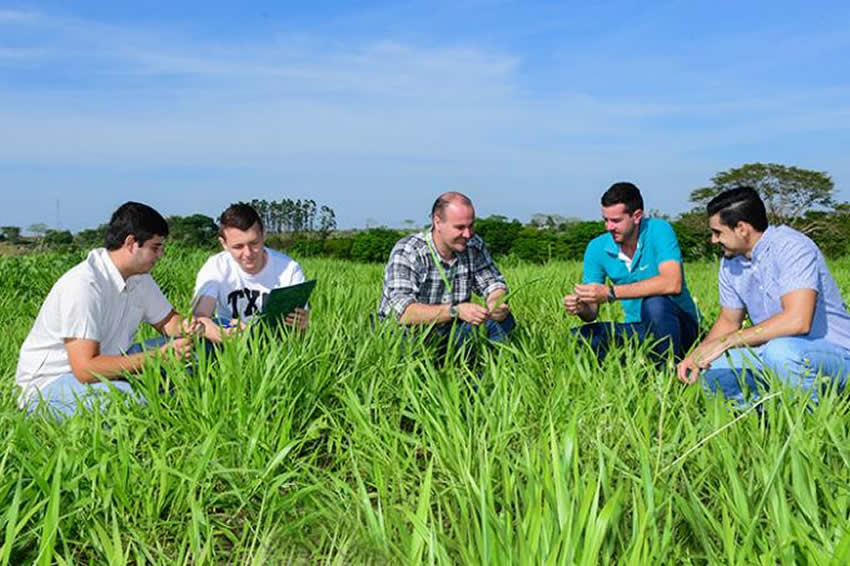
(613,248)
(429,239)
(111,271)
(763,245)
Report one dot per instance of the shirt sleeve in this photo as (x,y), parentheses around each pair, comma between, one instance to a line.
(486,276)
(296,276)
(592,271)
(206,283)
(80,313)
(400,279)
(729,297)
(799,269)
(156,306)
(666,244)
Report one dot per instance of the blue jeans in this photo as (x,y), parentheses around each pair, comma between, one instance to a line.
(65,395)
(661,320)
(464,332)
(796,361)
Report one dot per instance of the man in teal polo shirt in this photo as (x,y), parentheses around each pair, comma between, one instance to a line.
(641,259)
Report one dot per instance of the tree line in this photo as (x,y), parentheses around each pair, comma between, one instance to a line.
(800,198)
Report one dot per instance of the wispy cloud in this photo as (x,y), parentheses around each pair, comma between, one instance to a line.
(313,109)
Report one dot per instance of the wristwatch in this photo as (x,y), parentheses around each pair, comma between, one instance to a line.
(453,310)
(611,295)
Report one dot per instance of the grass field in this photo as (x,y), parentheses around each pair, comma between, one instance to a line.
(336,448)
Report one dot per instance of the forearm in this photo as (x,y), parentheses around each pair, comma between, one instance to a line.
(494,298)
(420,313)
(721,328)
(654,286)
(777,326)
(109,367)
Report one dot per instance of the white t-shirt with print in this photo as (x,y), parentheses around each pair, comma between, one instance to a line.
(91,301)
(240,295)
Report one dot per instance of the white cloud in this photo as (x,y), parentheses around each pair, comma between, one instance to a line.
(375,114)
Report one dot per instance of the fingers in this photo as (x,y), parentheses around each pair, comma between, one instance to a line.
(472,313)
(181,348)
(688,371)
(572,304)
(500,313)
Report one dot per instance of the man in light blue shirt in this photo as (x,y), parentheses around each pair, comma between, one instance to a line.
(641,258)
(777,277)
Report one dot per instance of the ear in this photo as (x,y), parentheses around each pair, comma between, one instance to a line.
(129,241)
(638,215)
(222,242)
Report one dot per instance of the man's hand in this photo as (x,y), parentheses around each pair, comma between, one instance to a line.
(299,319)
(193,326)
(472,313)
(688,371)
(179,348)
(701,358)
(500,313)
(573,304)
(595,293)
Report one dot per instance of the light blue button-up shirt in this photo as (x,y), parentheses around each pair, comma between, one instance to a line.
(785,260)
(657,243)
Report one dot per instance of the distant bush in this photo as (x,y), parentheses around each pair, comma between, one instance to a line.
(374,245)
(58,238)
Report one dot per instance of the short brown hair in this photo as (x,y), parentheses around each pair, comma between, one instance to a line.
(239,215)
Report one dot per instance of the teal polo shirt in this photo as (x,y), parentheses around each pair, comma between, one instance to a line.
(657,243)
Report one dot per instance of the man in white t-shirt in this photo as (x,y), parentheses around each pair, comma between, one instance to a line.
(233,284)
(80,343)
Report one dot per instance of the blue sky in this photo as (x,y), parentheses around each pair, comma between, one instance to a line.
(375,108)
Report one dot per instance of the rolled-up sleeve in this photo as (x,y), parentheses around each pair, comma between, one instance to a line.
(487,278)
(400,279)
(729,297)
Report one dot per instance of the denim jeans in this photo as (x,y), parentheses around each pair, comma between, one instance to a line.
(661,320)
(463,331)
(795,360)
(65,395)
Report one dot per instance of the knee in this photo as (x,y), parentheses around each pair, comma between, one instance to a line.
(783,353)
(655,308)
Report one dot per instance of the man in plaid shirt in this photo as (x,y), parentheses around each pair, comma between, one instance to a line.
(431,276)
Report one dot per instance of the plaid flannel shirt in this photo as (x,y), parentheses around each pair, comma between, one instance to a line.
(412,275)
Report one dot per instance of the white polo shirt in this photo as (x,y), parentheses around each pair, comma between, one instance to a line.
(240,295)
(91,301)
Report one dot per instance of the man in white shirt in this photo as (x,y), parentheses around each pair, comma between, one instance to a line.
(80,343)
(233,284)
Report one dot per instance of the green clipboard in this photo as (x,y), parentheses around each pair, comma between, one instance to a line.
(284,300)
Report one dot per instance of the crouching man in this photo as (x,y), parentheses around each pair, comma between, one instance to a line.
(431,276)
(778,277)
(80,344)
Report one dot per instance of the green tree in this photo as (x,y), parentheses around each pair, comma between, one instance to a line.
(91,237)
(58,238)
(195,230)
(11,233)
(788,192)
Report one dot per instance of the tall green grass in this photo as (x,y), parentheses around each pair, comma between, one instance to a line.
(345,447)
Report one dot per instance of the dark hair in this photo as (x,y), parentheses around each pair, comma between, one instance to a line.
(439,207)
(239,215)
(135,218)
(741,204)
(623,193)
